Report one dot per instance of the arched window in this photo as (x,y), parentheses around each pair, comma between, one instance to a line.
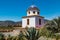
(29,12)
(27,21)
(38,12)
(39,21)
(34,12)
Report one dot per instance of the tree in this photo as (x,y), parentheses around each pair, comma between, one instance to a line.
(54,25)
(45,32)
(57,23)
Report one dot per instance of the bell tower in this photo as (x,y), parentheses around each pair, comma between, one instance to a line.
(32,19)
(33,10)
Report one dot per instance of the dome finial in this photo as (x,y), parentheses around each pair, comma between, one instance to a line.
(32,6)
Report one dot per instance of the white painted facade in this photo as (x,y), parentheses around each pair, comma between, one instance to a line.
(37,22)
(33,22)
(33,18)
(31,13)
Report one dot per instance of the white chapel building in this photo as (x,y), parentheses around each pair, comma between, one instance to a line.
(32,19)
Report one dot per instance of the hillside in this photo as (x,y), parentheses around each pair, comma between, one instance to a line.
(9,23)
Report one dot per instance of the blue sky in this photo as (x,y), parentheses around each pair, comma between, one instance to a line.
(15,9)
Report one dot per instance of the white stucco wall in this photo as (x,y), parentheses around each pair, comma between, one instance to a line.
(37,22)
(31,22)
(31,13)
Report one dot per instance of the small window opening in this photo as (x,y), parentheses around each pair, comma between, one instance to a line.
(27,21)
(39,21)
(34,12)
